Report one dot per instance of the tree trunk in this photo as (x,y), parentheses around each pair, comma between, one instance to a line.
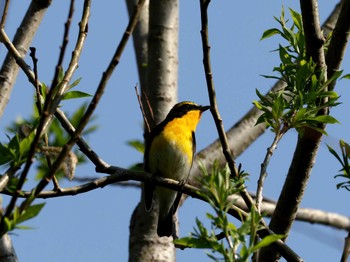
(158,75)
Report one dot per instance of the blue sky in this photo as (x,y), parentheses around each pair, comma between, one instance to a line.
(94,226)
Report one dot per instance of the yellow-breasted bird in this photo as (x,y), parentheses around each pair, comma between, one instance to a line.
(169,153)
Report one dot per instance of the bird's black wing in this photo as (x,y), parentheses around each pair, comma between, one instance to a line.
(148,187)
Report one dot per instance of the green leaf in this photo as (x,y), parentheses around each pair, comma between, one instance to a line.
(265,100)
(346,147)
(192,242)
(333,78)
(5,154)
(257,104)
(325,119)
(78,114)
(297,19)
(347,76)
(267,241)
(334,153)
(137,144)
(75,94)
(272,77)
(9,224)
(24,227)
(284,55)
(75,83)
(60,75)
(269,33)
(30,212)
(25,144)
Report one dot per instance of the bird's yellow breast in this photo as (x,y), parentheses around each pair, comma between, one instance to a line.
(172,149)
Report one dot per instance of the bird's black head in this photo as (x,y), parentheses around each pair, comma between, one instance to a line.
(180,109)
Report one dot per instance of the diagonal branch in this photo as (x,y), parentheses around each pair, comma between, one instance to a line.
(265,231)
(204,4)
(339,40)
(307,146)
(23,37)
(49,108)
(110,68)
(67,26)
(243,133)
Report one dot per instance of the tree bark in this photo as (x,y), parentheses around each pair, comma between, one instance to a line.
(7,252)
(158,69)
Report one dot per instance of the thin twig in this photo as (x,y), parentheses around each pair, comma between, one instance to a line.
(219,125)
(64,44)
(263,170)
(75,133)
(5,177)
(204,4)
(142,110)
(53,107)
(110,68)
(39,99)
(119,174)
(37,87)
(346,249)
(49,109)
(83,146)
(4,14)
(19,60)
(211,89)
(98,93)
(22,39)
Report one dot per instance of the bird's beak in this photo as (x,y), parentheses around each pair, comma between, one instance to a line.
(204,108)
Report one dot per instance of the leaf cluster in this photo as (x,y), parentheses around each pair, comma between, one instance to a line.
(14,152)
(68,94)
(305,94)
(232,243)
(19,217)
(344,161)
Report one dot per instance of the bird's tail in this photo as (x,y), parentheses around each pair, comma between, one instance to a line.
(165,225)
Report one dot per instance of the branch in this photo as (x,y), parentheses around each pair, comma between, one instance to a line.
(313,216)
(346,249)
(110,68)
(23,37)
(314,38)
(287,253)
(263,169)
(4,13)
(307,145)
(118,174)
(51,105)
(64,44)
(204,4)
(140,37)
(243,133)
(339,40)
(49,108)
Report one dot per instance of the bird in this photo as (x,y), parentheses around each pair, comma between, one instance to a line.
(169,153)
